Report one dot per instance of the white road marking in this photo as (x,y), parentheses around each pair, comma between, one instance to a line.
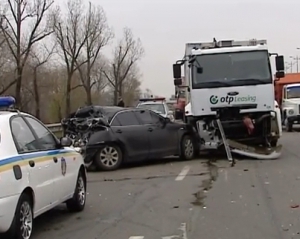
(137,237)
(226,175)
(184,231)
(171,237)
(183,173)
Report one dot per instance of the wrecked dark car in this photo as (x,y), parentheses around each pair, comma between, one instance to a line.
(110,136)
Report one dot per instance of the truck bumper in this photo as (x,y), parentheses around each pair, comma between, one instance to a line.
(294,119)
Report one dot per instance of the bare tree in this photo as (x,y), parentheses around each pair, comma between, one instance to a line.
(126,54)
(70,36)
(31,13)
(39,57)
(98,35)
(131,86)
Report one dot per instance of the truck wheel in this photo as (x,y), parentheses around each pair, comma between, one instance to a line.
(274,143)
(288,125)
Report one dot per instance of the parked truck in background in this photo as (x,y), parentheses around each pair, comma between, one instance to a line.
(231,81)
(287,94)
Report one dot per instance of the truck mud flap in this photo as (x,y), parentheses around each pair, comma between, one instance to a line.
(255,152)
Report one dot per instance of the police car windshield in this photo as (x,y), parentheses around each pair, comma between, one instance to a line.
(159,108)
(232,69)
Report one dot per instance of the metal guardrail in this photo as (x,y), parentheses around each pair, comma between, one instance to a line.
(55,128)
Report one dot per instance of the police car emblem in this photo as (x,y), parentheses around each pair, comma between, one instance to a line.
(63,166)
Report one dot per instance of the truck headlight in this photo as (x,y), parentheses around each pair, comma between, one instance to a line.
(291,112)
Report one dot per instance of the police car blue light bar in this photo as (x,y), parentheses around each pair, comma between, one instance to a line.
(7,101)
(153,99)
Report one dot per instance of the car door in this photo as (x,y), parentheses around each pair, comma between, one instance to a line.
(63,166)
(132,134)
(39,166)
(164,139)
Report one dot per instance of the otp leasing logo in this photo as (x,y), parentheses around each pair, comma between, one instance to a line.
(229,99)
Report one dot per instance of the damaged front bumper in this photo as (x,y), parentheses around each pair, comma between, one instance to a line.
(255,152)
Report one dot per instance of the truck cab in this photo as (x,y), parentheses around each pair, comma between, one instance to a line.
(291,105)
(231,81)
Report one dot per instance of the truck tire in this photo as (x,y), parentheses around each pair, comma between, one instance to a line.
(274,143)
(288,125)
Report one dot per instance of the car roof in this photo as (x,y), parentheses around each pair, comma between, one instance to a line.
(151,103)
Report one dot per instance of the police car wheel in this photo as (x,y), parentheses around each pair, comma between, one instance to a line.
(23,221)
(77,203)
(188,150)
(109,158)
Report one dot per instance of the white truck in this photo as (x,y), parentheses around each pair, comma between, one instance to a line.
(230,95)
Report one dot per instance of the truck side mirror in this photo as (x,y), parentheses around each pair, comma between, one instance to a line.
(279,63)
(176,71)
(178,82)
(279,74)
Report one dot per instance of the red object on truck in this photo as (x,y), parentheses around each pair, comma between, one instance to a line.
(291,78)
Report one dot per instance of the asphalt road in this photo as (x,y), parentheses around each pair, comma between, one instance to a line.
(188,200)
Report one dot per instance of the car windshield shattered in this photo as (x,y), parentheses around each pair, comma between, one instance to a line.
(158,108)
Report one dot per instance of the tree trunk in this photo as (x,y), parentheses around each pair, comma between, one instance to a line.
(36,95)
(88,88)
(18,89)
(88,96)
(115,96)
(68,96)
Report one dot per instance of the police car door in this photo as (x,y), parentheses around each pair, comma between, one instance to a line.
(39,165)
(64,177)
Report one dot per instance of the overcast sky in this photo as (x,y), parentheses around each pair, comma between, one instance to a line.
(164,26)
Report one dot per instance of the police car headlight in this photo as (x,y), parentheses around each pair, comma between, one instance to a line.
(291,112)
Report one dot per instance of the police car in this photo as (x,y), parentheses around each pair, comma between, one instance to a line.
(157,105)
(37,172)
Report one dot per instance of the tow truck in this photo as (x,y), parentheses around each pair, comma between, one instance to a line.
(158,105)
(230,96)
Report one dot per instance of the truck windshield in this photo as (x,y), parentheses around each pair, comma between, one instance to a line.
(293,92)
(232,69)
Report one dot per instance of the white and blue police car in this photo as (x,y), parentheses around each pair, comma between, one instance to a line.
(37,172)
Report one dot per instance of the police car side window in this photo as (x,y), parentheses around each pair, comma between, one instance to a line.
(144,116)
(23,136)
(44,137)
(127,119)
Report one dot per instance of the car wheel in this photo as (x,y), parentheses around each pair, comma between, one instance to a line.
(22,224)
(187,148)
(77,203)
(109,158)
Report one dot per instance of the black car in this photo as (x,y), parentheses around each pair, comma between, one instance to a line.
(113,135)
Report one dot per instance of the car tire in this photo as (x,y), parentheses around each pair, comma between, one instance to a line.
(23,215)
(187,148)
(77,202)
(109,158)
